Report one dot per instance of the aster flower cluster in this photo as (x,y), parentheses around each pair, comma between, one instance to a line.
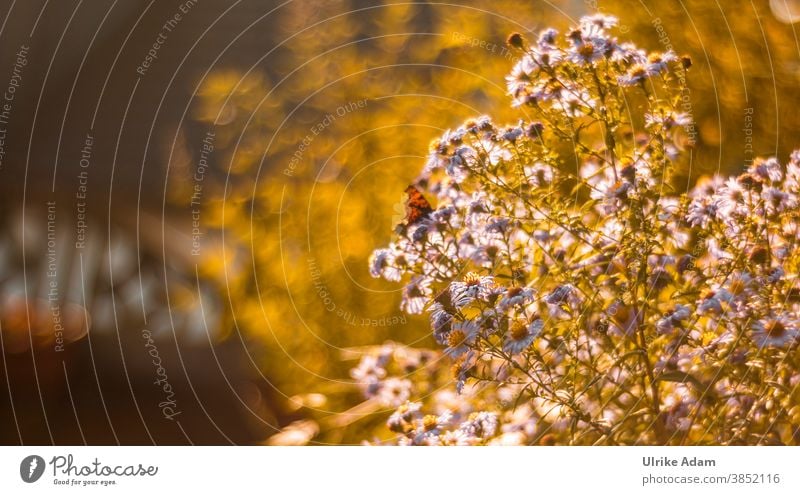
(577,297)
(390,374)
(385,373)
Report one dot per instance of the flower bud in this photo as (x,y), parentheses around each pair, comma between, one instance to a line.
(516,40)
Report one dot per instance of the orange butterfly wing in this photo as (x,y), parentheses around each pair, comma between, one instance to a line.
(417,207)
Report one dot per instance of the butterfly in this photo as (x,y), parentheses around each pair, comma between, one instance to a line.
(417,209)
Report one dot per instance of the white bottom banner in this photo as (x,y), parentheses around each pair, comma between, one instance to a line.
(395,470)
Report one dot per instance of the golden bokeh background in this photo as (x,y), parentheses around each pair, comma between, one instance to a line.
(399,74)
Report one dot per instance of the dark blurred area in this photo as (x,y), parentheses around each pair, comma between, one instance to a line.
(92,254)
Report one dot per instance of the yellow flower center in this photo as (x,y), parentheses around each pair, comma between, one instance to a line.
(774,328)
(654,58)
(514,291)
(519,331)
(586,50)
(429,422)
(456,338)
(472,278)
(638,71)
(737,286)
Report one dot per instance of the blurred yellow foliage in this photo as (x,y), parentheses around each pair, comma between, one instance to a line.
(315,145)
